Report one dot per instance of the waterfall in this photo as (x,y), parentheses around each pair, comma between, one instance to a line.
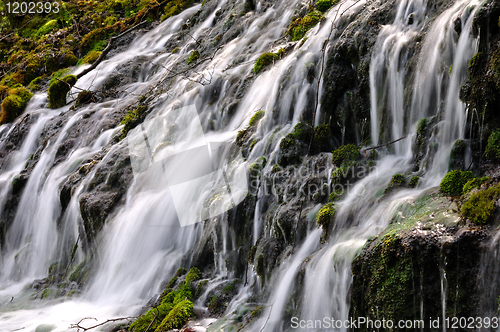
(142,243)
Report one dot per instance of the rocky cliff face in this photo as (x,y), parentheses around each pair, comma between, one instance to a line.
(433,261)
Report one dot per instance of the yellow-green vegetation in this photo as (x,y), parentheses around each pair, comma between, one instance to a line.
(325,215)
(474,183)
(265,60)
(346,154)
(397,181)
(174,310)
(480,206)
(46,28)
(58,90)
(300,26)
(90,58)
(35,84)
(177,317)
(453,182)
(414,181)
(492,151)
(193,275)
(476,59)
(42,43)
(175,7)
(256,118)
(14,104)
(193,57)
(132,119)
(322,136)
(324,5)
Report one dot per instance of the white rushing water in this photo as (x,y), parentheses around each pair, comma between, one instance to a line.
(142,242)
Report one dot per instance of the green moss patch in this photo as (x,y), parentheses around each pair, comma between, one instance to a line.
(264,60)
(324,5)
(397,181)
(480,206)
(175,308)
(90,58)
(59,89)
(325,215)
(492,151)
(473,184)
(193,57)
(414,181)
(47,28)
(14,104)
(453,182)
(346,154)
(300,26)
(256,118)
(132,119)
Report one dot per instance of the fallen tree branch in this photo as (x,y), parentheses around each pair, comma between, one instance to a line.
(82,328)
(107,49)
(385,144)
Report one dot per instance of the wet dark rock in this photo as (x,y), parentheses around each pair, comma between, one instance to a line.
(106,189)
(266,255)
(457,25)
(95,209)
(219,297)
(15,137)
(400,271)
(347,84)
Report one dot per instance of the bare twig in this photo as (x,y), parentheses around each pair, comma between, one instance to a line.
(385,144)
(268,316)
(154,318)
(82,328)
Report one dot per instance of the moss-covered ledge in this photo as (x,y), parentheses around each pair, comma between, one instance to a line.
(399,274)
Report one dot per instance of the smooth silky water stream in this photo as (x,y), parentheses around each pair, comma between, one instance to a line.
(143,242)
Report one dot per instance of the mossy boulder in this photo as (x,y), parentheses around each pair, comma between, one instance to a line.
(492,151)
(397,181)
(474,183)
(324,5)
(481,206)
(47,28)
(414,181)
(175,307)
(256,118)
(454,181)
(398,274)
(14,104)
(264,60)
(346,154)
(300,26)
(177,317)
(295,144)
(90,58)
(325,215)
(34,85)
(58,90)
(219,298)
(84,97)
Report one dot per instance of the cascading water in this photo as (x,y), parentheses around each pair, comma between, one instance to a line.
(142,242)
